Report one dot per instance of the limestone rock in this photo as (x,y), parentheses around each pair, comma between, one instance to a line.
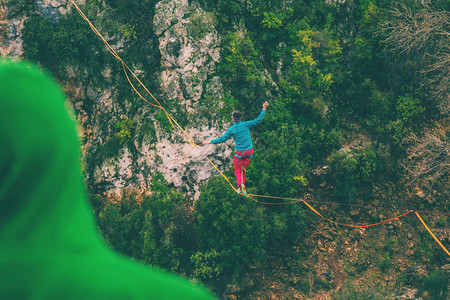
(167,13)
(188,53)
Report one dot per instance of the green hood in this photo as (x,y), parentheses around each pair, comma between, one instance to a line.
(42,196)
(49,243)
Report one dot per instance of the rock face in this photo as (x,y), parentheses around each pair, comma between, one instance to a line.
(10,30)
(189,47)
(188,57)
(3,28)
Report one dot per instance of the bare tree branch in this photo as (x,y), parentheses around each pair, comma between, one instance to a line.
(424,36)
(429,154)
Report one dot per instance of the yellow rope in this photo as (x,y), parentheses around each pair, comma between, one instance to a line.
(294,200)
(437,240)
(129,81)
(251,196)
(356,226)
(219,171)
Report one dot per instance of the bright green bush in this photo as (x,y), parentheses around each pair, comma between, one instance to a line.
(408,116)
(409,109)
(206,266)
(125,130)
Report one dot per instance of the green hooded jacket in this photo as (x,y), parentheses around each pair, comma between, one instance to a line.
(50,247)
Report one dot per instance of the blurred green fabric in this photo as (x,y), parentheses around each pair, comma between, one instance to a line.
(50,247)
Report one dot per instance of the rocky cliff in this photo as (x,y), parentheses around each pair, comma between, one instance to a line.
(189,49)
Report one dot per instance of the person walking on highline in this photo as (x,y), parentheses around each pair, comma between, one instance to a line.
(240,131)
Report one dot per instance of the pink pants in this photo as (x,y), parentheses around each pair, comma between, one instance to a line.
(241,165)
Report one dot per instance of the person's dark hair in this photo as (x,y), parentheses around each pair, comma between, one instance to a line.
(236,116)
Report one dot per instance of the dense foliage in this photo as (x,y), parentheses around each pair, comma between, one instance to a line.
(223,236)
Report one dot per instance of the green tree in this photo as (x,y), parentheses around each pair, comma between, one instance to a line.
(70,41)
(242,69)
(313,70)
(285,152)
(409,113)
(121,224)
(231,225)
(206,266)
(149,230)
(352,171)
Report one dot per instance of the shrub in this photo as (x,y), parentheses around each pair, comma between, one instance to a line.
(352,170)
(284,154)
(147,231)
(409,109)
(435,286)
(206,266)
(285,224)
(121,224)
(125,130)
(70,41)
(385,264)
(232,225)
(200,24)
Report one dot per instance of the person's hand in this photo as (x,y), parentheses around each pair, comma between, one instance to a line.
(265,104)
(206,142)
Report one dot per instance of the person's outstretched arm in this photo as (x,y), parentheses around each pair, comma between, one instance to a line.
(227,135)
(260,117)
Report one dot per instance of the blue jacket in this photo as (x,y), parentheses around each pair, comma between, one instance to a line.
(240,131)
